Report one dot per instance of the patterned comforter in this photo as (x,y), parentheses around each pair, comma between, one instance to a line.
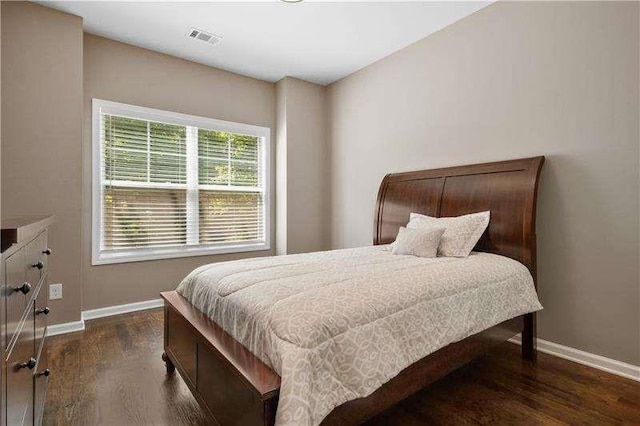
(337,325)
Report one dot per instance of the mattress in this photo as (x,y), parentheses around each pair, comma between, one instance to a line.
(337,325)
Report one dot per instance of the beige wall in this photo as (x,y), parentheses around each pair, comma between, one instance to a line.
(42,134)
(128,74)
(514,80)
(302,165)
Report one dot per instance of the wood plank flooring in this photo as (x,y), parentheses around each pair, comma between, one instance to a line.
(112,374)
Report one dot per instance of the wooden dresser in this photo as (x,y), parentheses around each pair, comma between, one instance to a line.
(23,313)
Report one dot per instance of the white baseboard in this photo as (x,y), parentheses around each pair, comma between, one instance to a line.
(70,327)
(121,309)
(64,328)
(609,365)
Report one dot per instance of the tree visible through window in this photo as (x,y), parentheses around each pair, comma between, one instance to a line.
(177,184)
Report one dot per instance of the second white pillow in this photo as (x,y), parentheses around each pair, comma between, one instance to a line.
(418,242)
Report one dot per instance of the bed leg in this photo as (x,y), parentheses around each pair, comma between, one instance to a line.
(529,352)
(170,367)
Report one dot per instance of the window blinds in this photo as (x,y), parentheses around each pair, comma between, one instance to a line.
(172,185)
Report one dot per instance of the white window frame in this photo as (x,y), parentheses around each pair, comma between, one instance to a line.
(101,257)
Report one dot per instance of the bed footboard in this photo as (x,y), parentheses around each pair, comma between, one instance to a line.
(229,382)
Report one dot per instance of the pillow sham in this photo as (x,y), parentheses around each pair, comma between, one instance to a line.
(461,232)
(421,242)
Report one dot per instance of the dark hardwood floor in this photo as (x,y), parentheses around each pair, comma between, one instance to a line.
(112,374)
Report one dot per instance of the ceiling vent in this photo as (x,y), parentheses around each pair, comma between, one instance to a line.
(197,34)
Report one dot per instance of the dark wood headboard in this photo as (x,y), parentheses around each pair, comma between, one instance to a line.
(507,188)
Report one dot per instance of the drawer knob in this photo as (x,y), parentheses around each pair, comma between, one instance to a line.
(44,310)
(44,373)
(24,288)
(29,364)
(47,251)
(38,265)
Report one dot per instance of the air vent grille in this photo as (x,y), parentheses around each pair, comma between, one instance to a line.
(197,34)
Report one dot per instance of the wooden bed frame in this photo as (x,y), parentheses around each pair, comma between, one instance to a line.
(235,387)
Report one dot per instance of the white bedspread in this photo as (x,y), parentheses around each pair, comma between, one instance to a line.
(337,325)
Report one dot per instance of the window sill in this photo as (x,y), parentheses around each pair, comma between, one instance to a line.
(141,255)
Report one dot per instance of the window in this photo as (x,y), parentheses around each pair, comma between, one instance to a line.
(171,185)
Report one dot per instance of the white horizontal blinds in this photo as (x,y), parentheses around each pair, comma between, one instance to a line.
(125,149)
(144,183)
(172,185)
(167,153)
(213,157)
(144,217)
(231,188)
(227,217)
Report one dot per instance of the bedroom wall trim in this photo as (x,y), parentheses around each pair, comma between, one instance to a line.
(600,362)
(71,327)
(65,327)
(121,309)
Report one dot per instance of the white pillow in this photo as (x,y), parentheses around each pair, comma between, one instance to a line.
(461,233)
(421,242)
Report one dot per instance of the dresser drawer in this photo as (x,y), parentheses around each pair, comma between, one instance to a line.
(36,258)
(20,367)
(17,291)
(40,314)
(40,382)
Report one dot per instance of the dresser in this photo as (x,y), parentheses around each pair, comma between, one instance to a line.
(23,311)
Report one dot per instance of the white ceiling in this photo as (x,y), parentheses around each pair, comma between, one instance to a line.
(314,41)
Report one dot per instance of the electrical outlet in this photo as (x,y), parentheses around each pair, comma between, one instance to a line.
(55,291)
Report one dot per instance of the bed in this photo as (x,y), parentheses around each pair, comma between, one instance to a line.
(235,379)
